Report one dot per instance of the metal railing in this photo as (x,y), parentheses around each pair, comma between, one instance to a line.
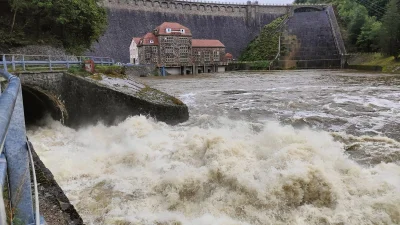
(337,35)
(17,62)
(14,163)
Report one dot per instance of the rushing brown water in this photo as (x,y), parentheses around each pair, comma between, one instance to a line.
(293,147)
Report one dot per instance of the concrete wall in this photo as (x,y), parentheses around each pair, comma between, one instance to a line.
(173,71)
(85,102)
(310,42)
(141,71)
(234,25)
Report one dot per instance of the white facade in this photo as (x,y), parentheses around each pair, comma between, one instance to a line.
(134,52)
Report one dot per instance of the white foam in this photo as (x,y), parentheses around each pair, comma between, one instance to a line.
(147,172)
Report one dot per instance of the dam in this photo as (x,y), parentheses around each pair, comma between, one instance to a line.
(235,25)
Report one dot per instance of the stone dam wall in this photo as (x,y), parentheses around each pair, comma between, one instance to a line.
(310,42)
(234,25)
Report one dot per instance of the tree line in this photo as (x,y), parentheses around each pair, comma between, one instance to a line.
(74,24)
(369,25)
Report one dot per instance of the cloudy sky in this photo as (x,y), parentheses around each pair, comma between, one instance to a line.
(260,1)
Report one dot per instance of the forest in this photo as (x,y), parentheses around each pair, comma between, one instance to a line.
(71,24)
(368,25)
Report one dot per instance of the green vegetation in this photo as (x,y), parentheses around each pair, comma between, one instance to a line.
(109,71)
(265,45)
(368,25)
(112,71)
(73,24)
(388,63)
(79,70)
(390,37)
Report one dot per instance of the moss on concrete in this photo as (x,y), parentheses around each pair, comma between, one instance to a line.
(154,95)
(265,45)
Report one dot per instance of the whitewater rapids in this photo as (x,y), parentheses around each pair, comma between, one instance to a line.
(214,170)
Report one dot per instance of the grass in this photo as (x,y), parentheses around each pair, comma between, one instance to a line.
(109,71)
(112,71)
(79,71)
(388,63)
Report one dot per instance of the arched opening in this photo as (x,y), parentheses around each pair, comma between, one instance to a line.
(39,103)
(307,9)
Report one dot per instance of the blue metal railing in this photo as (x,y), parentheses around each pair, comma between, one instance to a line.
(14,158)
(12,61)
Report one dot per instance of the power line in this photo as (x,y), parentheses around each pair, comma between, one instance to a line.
(372,4)
(371,7)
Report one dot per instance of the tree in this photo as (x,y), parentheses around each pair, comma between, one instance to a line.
(369,38)
(16,6)
(390,34)
(75,24)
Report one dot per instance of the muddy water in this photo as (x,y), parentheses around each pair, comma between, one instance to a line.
(297,147)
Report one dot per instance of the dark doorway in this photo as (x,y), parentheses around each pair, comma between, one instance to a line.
(37,105)
(199,71)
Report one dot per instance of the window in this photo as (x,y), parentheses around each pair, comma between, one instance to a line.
(183,54)
(169,59)
(182,31)
(168,30)
(169,50)
(168,40)
(207,56)
(216,55)
(197,56)
(148,56)
(151,42)
(154,49)
(183,40)
(184,49)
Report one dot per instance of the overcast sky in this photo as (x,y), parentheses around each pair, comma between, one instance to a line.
(261,1)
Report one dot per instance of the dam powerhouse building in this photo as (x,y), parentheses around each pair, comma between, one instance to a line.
(171,47)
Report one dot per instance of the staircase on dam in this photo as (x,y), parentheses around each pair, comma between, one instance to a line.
(309,42)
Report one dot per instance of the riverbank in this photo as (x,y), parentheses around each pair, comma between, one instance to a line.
(373,61)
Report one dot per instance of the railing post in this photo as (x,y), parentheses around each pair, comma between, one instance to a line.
(13,62)
(51,69)
(101,60)
(67,62)
(23,62)
(5,63)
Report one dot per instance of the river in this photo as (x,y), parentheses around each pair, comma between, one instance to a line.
(293,147)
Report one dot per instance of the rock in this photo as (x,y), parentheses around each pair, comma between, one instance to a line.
(64,206)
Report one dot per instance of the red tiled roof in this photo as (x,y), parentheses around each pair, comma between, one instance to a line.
(228,56)
(147,38)
(206,43)
(136,39)
(175,29)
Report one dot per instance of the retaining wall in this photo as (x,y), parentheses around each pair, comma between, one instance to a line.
(82,101)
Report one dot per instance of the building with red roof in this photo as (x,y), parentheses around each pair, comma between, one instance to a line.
(133,50)
(170,46)
(228,57)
